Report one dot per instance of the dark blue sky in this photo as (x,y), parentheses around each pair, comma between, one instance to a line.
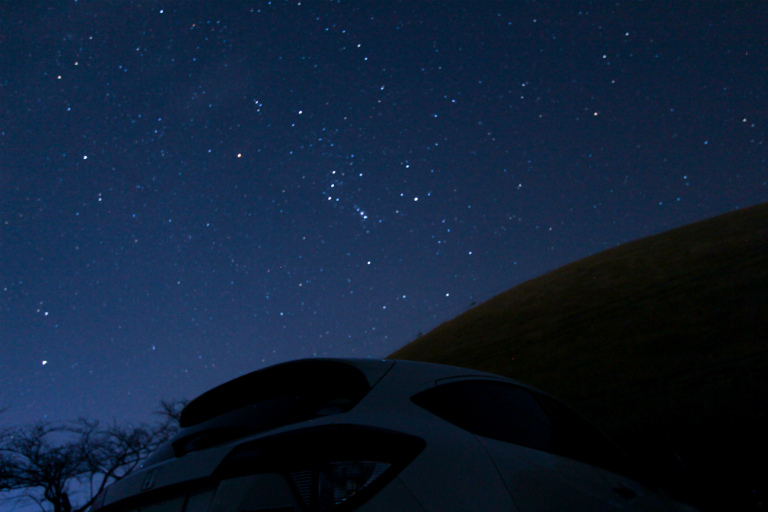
(194,190)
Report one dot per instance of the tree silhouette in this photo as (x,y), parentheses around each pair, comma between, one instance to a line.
(54,464)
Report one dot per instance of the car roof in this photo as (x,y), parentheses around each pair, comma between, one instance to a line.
(305,372)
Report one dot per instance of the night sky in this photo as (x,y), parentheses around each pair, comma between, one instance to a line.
(190,191)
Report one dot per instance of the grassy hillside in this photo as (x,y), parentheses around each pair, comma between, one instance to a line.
(663,342)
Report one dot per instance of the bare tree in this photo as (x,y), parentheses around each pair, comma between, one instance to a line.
(54,465)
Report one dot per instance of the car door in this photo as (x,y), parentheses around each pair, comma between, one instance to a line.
(576,438)
(539,481)
(548,459)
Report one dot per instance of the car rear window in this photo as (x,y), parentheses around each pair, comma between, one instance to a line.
(277,396)
(283,394)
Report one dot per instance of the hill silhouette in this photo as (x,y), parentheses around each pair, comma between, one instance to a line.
(662,342)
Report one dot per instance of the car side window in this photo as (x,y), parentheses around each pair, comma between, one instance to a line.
(490,409)
(514,414)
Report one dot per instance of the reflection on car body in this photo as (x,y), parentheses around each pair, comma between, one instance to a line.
(381,435)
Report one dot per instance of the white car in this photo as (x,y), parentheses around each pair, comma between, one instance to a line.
(381,435)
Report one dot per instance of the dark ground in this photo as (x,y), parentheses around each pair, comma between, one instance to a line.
(661,342)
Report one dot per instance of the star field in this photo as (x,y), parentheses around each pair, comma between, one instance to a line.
(191,191)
